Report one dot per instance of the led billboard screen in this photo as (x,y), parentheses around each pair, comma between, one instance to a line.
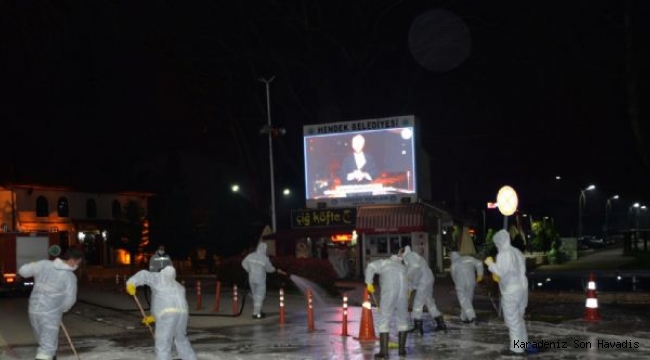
(360,162)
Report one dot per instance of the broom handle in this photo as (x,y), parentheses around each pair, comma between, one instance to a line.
(144,316)
(65,331)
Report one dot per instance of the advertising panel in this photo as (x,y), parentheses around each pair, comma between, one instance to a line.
(360,162)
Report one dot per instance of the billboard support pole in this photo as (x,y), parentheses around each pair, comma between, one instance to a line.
(270,133)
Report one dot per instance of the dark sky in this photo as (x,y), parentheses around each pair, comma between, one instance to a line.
(509,92)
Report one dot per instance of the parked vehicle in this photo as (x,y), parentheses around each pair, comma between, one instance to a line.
(17,249)
(591,242)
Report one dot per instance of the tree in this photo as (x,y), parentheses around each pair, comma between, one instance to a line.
(544,236)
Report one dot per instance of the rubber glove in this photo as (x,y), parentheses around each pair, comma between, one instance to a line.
(495,277)
(148,320)
(489,261)
(130,288)
(479,278)
(371,288)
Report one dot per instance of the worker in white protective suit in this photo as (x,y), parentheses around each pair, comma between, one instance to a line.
(54,293)
(169,311)
(510,271)
(257,264)
(421,280)
(393,300)
(466,272)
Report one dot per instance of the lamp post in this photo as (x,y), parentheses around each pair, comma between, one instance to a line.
(637,208)
(608,206)
(582,200)
(272,132)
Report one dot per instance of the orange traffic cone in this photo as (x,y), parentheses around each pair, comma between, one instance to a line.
(367,325)
(591,306)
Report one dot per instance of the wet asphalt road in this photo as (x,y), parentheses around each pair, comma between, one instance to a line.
(266,339)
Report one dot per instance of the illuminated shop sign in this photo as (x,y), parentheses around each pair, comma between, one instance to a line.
(341,237)
(312,218)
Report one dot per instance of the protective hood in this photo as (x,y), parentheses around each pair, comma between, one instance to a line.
(62,265)
(396,258)
(454,256)
(169,272)
(407,249)
(261,248)
(501,239)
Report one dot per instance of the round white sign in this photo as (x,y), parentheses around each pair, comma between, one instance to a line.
(507,200)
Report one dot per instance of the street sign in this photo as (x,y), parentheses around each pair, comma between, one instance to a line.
(507,200)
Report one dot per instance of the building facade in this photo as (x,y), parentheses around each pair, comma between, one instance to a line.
(80,218)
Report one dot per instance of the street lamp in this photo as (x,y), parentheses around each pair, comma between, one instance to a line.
(272,132)
(637,208)
(582,200)
(608,205)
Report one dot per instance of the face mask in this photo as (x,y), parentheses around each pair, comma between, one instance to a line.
(74,265)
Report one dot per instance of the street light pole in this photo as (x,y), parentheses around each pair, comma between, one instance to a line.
(608,205)
(582,199)
(270,134)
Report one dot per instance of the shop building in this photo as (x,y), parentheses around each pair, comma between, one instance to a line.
(367,185)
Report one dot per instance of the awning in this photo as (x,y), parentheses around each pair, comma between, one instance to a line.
(293,234)
(393,218)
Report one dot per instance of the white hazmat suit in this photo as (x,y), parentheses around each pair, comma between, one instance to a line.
(393,300)
(169,307)
(510,267)
(392,280)
(257,264)
(466,271)
(54,293)
(421,279)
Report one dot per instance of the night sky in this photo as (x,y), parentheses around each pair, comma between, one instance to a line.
(105,93)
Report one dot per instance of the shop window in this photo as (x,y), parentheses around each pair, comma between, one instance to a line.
(116,210)
(385,245)
(91,209)
(405,241)
(63,208)
(382,245)
(42,207)
(394,244)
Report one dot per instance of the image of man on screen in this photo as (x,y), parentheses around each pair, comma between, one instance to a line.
(358,167)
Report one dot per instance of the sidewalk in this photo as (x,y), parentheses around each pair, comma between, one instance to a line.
(608,259)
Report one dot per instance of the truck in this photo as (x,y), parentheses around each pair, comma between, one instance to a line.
(18,248)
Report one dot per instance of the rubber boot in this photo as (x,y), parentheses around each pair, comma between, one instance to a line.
(417,327)
(383,346)
(402,342)
(440,324)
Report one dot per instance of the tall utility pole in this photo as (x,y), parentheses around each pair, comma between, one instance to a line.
(608,205)
(582,201)
(269,130)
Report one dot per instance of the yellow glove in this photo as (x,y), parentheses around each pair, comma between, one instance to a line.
(479,278)
(130,288)
(371,288)
(489,261)
(148,320)
(495,277)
